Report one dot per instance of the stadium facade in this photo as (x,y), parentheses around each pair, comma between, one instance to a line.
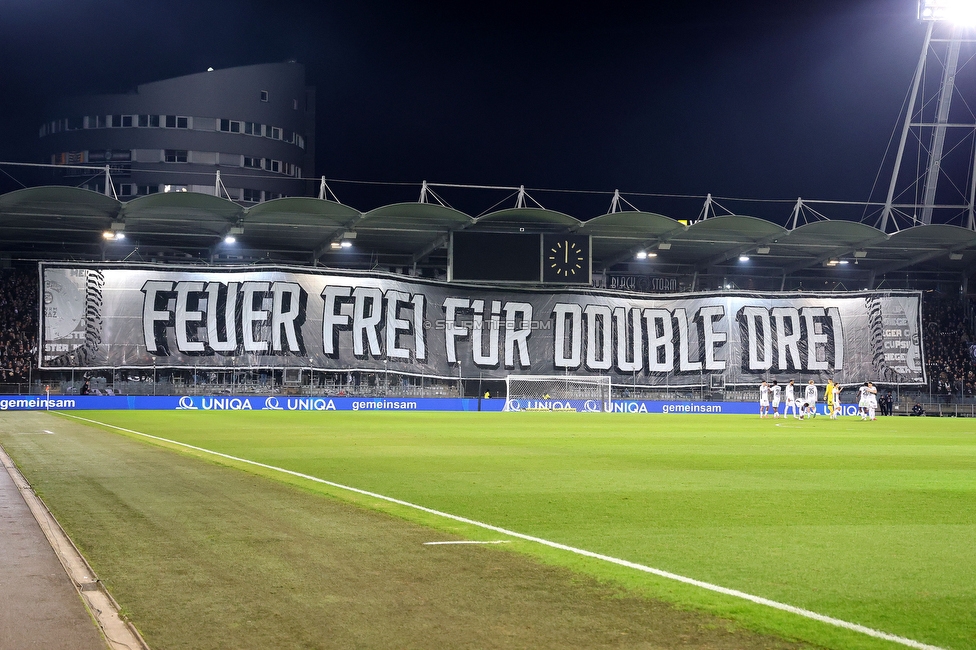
(253,124)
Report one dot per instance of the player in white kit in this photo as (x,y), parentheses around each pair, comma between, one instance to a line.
(872,400)
(763,399)
(775,391)
(790,401)
(810,401)
(835,410)
(867,400)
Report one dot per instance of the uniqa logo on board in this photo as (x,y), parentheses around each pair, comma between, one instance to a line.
(300,404)
(215,404)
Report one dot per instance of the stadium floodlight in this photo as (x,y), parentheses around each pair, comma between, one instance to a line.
(642,255)
(843,262)
(961,12)
(345,243)
(108,234)
(230,239)
(119,235)
(743,258)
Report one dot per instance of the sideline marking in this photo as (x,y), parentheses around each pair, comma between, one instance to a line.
(466,541)
(759,600)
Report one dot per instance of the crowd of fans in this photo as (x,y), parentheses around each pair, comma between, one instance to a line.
(949,361)
(18,324)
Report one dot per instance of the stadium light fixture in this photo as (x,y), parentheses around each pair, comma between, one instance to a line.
(230,239)
(843,262)
(960,12)
(345,243)
(642,255)
(335,245)
(955,257)
(743,258)
(763,250)
(108,234)
(119,235)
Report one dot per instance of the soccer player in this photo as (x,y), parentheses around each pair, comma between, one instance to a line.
(810,400)
(763,399)
(862,401)
(835,411)
(791,401)
(872,400)
(829,397)
(775,390)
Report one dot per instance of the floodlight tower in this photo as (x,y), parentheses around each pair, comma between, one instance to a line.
(948,27)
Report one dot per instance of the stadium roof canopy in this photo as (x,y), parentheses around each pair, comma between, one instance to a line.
(56,222)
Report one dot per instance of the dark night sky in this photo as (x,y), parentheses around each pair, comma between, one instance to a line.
(744,99)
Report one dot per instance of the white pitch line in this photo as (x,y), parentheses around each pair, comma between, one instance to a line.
(759,600)
(468,541)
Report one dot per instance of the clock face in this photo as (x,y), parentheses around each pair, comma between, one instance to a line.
(567,260)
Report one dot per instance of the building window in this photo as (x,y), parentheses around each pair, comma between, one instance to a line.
(272,165)
(254,196)
(126,189)
(170,121)
(143,190)
(253,163)
(230,126)
(264,95)
(252,128)
(126,120)
(275,133)
(182,122)
(175,156)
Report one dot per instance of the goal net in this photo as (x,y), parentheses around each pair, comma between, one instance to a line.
(539,392)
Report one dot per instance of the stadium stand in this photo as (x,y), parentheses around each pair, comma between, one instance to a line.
(950,365)
(18,325)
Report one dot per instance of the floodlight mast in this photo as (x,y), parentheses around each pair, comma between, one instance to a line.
(953,14)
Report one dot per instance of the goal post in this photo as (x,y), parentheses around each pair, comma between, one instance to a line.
(555,392)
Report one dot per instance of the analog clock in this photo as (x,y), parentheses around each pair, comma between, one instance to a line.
(566,259)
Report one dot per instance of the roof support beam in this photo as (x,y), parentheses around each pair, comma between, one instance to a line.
(631,252)
(736,252)
(925,257)
(834,253)
(430,248)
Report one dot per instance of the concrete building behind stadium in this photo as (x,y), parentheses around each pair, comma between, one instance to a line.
(256,124)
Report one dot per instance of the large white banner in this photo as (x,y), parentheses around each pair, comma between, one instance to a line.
(100,316)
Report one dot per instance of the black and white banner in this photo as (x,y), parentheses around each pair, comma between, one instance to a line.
(136,316)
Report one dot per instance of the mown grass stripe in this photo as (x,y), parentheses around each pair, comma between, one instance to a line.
(735,593)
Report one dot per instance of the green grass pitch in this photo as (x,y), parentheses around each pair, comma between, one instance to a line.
(868,522)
